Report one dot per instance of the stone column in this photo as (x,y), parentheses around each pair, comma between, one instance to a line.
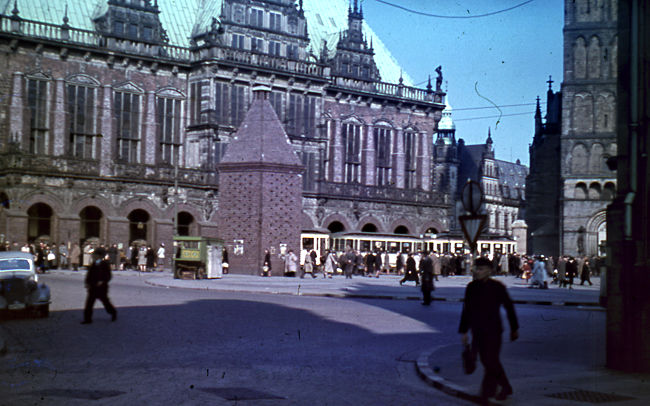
(106,150)
(424,161)
(368,157)
(398,159)
(59,125)
(149,141)
(16,120)
(338,158)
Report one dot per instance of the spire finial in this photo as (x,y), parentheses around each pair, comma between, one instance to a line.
(65,16)
(429,87)
(401,79)
(356,8)
(15,11)
(489,138)
(550,82)
(538,110)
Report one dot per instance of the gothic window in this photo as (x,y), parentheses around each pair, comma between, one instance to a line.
(257,18)
(133,31)
(147,33)
(38,123)
(609,191)
(409,160)
(594,191)
(593,58)
(301,115)
(583,115)
(275,20)
(580,191)
(275,98)
(168,117)
(81,114)
(596,159)
(237,104)
(351,137)
(293,25)
(613,58)
(274,48)
(383,143)
(292,51)
(127,117)
(579,159)
(238,15)
(497,219)
(309,161)
(580,59)
(221,103)
(199,102)
(237,41)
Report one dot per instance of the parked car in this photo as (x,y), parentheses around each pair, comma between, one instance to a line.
(19,287)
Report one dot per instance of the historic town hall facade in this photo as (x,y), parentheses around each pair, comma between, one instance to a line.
(106,104)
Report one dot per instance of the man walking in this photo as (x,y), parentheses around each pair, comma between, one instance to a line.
(426,270)
(483,298)
(97,278)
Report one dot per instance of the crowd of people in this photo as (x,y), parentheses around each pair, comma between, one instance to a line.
(538,271)
(66,255)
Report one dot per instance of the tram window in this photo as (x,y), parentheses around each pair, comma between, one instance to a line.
(458,247)
(365,245)
(498,248)
(393,247)
(445,247)
(406,247)
(419,246)
(485,248)
(307,243)
(379,245)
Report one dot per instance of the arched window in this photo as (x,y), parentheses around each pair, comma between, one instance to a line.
(401,230)
(580,191)
(138,221)
(609,191)
(596,159)
(39,221)
(593,58)
(90,225)
(185,222)
(369,228)
(4,200)
(583,113)
(594,191)
(580,59)
(336,227)
(579,159)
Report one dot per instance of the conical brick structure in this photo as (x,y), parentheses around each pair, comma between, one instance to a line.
(260,191)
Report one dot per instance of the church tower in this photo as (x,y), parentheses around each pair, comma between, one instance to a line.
(588,135)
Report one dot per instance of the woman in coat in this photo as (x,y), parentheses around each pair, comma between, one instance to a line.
(75,253)
(266,266)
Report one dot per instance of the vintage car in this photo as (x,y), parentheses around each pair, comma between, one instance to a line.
(19,287)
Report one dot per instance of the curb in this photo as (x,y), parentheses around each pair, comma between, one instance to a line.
(585,305)
(425,372)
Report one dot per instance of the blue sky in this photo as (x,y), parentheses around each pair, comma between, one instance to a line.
(504,58)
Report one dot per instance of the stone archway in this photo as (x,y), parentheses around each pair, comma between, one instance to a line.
(596,234)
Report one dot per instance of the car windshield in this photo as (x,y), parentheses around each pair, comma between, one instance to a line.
(14,264)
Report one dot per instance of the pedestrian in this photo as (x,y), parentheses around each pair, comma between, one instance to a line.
(377,264)
(266,265)
(399,263)
(586,270)
(97,278)
(160,256)
(290,264)
(411,271)
(571,270)
(64,262)
(150,258)
(539,274)
(481,314)
(330,264)
(437,265)
(426,270)
(348,261)
(308,267)
(75,255)
(503,264)
(386,262)
(87,254)
(112,255)
(142,258)
(225,265)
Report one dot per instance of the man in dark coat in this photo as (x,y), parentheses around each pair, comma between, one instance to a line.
(426,271)
(483,298)
(97,278)
(411,273)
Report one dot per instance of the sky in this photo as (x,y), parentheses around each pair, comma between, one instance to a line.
(503,59)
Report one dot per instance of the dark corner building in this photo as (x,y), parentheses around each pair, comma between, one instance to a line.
(628,217)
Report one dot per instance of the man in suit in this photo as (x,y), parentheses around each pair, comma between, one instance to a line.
(483,298)
(97,278)
(426,272)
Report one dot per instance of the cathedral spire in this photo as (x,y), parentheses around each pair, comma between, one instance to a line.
(489,138)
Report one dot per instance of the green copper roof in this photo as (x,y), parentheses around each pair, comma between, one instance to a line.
(182,18)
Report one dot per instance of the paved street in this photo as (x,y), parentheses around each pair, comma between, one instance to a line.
(188,347)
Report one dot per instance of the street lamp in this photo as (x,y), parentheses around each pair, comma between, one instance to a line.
(472,224)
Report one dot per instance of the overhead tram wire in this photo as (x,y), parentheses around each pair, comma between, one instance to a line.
(443,16)
(497,116)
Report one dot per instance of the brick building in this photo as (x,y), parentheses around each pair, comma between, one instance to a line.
(106,104)
(580,129)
